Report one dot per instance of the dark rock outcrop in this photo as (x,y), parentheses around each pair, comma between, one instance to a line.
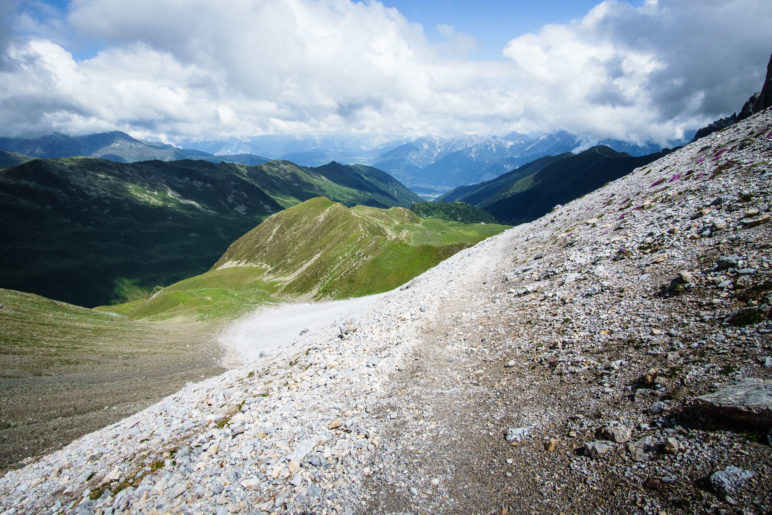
(756,103)
(765,98)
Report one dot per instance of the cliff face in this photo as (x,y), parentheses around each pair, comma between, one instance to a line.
(765,98)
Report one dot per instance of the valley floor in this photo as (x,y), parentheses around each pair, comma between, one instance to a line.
(556,367)
(67,371)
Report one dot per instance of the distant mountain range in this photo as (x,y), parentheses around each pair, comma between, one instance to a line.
(90,231)
(429,166)
(530,191)
(433,166)
(113,146)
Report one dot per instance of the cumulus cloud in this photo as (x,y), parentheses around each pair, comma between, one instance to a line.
(457,43)
(204,69)
(645,72)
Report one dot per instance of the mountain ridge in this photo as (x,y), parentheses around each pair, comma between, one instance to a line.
(429,165)
(113,146)
(88,231)
(530,191)
(318,249)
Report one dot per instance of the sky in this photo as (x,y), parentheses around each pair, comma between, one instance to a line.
(171,70)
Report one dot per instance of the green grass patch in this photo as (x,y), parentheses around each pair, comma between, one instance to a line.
(39,335)
(319,249)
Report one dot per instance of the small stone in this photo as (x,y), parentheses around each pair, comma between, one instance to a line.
(672,446)
(730,480)
(657,407)
(293,466)
(114,475)
(641,450)
(551,444)
(750,213)
(510,363)
(725,262)
(753,222)
(516,435)
(768,361)
(618,434)
(251,483)
(334,424)
(598,449)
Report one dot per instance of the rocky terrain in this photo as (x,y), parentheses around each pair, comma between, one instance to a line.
(614,355)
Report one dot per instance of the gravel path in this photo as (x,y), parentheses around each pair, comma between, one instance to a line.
(555,367)
(276,327)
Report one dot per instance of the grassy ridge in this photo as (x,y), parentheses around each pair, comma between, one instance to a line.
(317,249)
(90,231)
(213,295)
(290,184)
(453,211)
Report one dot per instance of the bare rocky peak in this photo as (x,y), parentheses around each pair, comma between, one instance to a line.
(757,102)
(765,97)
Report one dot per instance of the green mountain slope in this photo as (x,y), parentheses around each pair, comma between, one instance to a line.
(532,190)
(8,159)
(487,192)
(290,184)
(91,231)
(80,229)
(453,211)
(318,249)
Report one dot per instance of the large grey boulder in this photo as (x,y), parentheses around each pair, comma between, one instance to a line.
(729,480)
(749,401)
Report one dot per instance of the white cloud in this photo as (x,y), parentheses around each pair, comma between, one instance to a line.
(205,69)
(456,43)
(646,72)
